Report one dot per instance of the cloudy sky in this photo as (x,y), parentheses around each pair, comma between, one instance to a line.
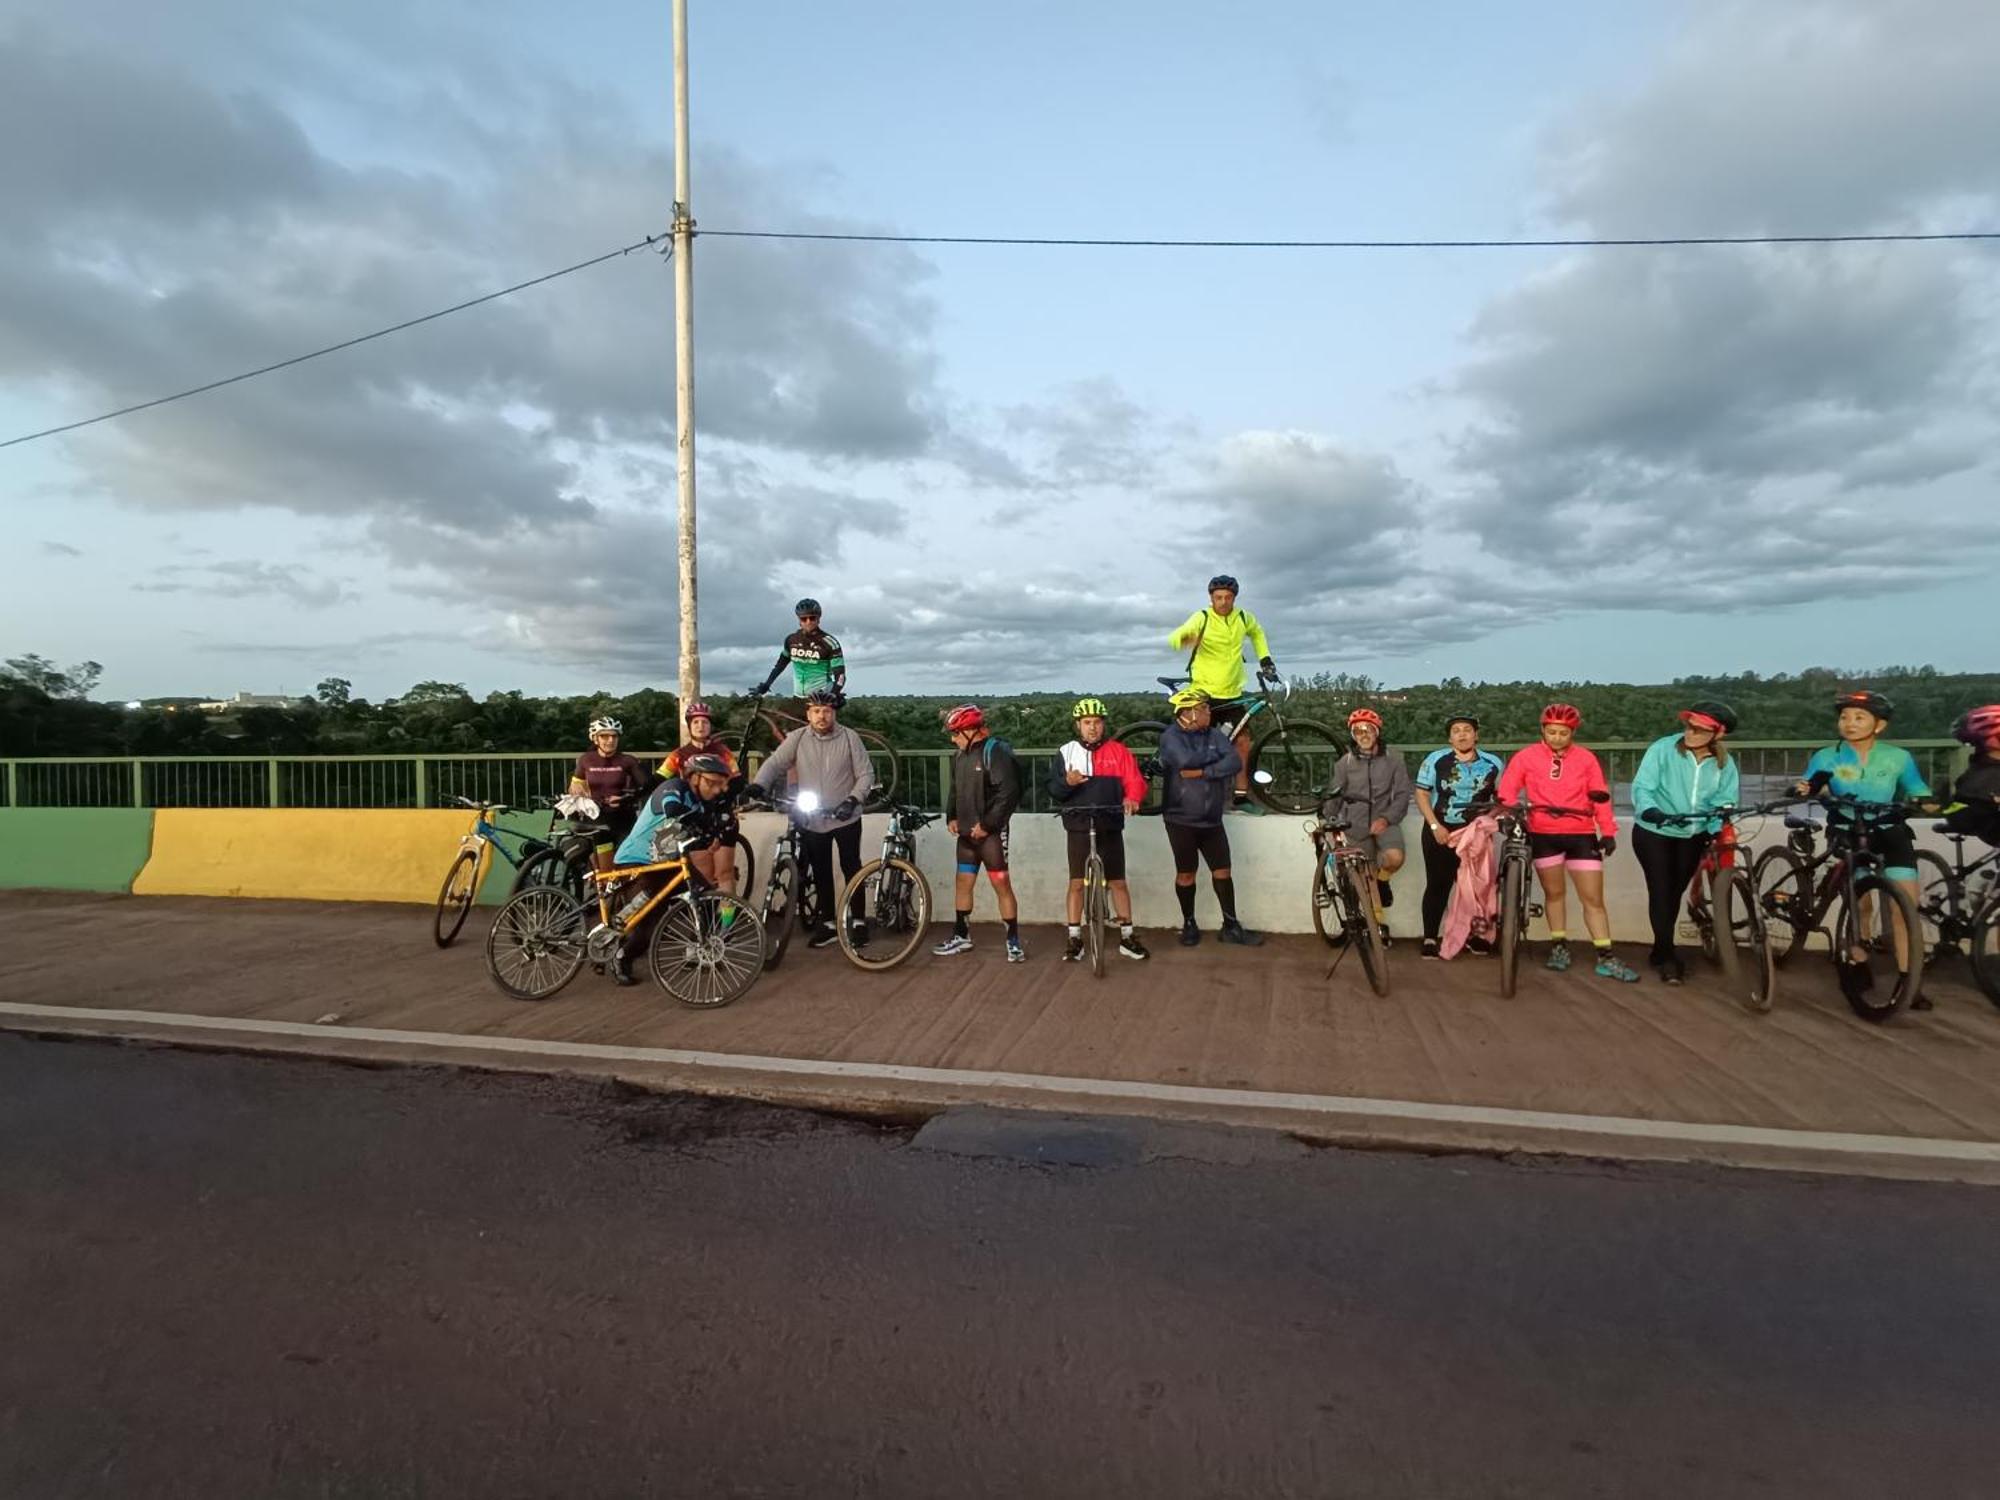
(1000,467)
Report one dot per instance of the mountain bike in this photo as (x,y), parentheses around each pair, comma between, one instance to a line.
(890,895)
(707,946)
(1295,754)
(766,724)
(1723,910)
(790,888)
(531,863)
(1951,892)
(1343,903)
(1850,886)
(1514,869)
(1983,945)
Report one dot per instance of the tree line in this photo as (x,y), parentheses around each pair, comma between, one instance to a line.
(46,710)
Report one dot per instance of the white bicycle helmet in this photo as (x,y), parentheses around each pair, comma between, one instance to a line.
(606,726)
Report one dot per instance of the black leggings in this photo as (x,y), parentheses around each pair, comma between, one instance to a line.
(1669,865)
(818,848)
(1440,876)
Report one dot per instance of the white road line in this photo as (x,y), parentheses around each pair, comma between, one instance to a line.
(1827,1143)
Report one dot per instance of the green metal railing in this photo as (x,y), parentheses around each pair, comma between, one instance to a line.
(366,781)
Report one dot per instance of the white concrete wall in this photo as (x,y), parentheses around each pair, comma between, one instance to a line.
(1272,864)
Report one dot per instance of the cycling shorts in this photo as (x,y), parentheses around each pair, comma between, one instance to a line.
(1577,850)
(1229,713)
(1389,838)
(990,852)
(1192,845)
(1896,846)
(1110,849)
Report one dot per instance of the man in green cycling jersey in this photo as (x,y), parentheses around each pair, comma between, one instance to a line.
(1214,639)
(812,654)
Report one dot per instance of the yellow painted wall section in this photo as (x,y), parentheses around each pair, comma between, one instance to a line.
(306,854)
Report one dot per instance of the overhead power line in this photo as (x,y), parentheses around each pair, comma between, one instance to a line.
(1556,244)
(1659,241)
(380,333)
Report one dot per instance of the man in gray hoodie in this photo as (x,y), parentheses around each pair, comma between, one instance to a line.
(832,764)
(1372,788)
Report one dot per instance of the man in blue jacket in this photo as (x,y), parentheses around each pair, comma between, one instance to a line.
(1200,765)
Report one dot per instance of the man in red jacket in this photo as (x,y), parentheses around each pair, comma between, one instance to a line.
(1096,780)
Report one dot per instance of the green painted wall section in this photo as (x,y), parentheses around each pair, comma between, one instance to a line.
(74,848)
(498,882)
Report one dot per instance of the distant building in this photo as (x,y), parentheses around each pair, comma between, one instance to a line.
(253,700)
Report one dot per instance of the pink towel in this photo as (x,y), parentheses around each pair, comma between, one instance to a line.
(1475,901)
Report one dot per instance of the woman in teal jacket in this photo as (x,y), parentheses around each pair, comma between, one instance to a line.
(1686,773)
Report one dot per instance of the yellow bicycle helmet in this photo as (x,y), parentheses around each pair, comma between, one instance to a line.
(1088,708)
(1187,698)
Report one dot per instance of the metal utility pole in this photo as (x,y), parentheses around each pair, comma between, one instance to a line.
(690,683)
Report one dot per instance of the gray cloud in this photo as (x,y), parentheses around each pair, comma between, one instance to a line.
(61,549)
(247,578)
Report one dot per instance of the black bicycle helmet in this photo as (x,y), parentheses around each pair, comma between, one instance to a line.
(1223,581)
(1455,719)
(1875,703)
(824,696)
(1711,708)
(704,764)
(807,607)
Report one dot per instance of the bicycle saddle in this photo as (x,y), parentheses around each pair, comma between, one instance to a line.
(1803,820)
(1170,683)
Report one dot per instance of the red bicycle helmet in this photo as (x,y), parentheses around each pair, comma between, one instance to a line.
(700,710)
(1875,703)
(1978,727)
(966,716)
(1562,713)
(1364,716)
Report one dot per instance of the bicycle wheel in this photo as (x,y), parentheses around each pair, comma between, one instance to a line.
(461,884)
(1743,941)
(1937,904)
(782,894)
(537,942)
(1983,947)
(1873,987)
(1374,956)
(1096,912)
(1143,740)
(552,868)
(895,901)
(1784,895)
(1326,921)
(1299,755)
(1513,918)
(707,949)
(888,767)
(746,866)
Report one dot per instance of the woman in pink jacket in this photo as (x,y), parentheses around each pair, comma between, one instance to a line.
(1570,828)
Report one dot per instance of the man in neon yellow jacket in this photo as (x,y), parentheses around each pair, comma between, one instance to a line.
(1214,638)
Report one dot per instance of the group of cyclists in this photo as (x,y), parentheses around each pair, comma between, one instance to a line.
(1685,782)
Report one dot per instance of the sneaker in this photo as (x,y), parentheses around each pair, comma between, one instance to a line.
(1611,966)
(1559,957)
(823,937)
(1385,893)
(1250,809)
(1190,934)
(1073,950)
(620,969)
(1015,952)
(1236,932)
(1479,945)
(1131,947)
(956,943)
(1388,937)
(1337,938)
(1923,1001)
(1673,971)
(1429,948)
(859,934)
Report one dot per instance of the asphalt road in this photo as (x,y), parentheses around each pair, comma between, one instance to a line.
(225,1276)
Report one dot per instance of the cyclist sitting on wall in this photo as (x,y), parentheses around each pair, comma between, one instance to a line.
(1095,779)
(1214,639)
(1564,786)
(1861,771)
(612,780)
(1372,793)
(812,654)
